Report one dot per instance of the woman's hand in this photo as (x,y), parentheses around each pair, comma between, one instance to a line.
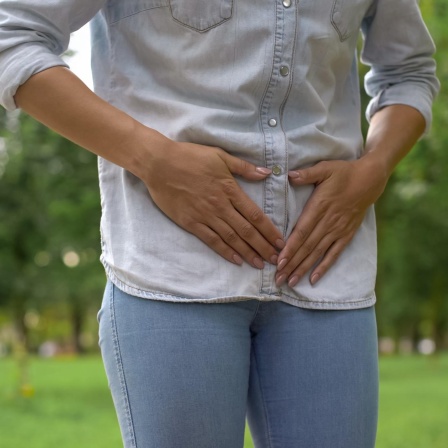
(344,190)
(194,186)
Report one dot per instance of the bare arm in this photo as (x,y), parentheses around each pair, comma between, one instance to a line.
(61,101)
(222,216)
(344,190)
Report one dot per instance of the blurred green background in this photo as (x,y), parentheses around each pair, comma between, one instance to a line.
(53,389)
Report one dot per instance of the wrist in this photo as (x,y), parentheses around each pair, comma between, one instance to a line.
(375,164)
(375,171)
(147,145)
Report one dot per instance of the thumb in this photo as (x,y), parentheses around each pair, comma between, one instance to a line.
(245,169)
(313,175)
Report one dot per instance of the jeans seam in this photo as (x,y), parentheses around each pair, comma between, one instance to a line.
(121,375)
(265,411)
(255,313)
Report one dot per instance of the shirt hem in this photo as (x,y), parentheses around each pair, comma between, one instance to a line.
(300,301)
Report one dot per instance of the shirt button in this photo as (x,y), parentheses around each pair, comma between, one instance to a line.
(284,70)
(277,170)
(272,122)
(286,3)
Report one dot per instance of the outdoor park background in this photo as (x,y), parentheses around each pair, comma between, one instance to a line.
(53,390)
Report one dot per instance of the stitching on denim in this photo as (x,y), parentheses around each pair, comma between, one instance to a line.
(263,108)
(118,360)
(342,37)
(197,29)
(255,313)
(282,108)
(265,411)
(113,22)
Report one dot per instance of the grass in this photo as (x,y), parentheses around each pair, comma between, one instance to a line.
(72,407)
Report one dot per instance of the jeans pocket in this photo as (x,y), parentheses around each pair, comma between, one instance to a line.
(347,15)
(201,15)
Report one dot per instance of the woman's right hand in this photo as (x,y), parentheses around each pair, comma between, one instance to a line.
(194,186)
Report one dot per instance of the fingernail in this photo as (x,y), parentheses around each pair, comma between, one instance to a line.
(294,174)
(258,262)
(274,259)
(315,278)
(280,243)
(262,170)
(282,264)
(237,259)
(293,281)
(280,279)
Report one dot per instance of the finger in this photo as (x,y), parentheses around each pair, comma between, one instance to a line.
(306,264)
(248,232)
(312,175)
(329,259)
(310,245)
(231,237)
(255,216)
(311,217)
(243,168)
(215,242)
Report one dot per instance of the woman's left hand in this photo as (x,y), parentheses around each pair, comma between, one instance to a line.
(344,191)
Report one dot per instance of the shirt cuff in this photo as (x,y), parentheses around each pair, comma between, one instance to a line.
(407,93)
(18,65)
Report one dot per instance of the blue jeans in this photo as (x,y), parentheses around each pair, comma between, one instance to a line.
(186,375)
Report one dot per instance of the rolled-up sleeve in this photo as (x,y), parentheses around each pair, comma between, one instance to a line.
(33,35)
(399,50)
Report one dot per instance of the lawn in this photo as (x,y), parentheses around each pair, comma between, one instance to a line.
(71,405)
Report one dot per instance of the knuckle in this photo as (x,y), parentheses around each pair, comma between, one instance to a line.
(212,239)
(322,203)
(318,251)
(247,231)
(230,237)
(229,187)
(244,166)
(308,247)
(333,257)
(256,215)
(215,201)
(302,233)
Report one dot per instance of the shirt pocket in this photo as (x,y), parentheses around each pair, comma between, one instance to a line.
(201,15)
(347,15)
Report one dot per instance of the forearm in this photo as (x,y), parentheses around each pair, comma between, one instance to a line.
(393,132)
(61,101)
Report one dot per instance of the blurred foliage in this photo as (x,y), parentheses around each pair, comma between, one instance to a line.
(412,219)
(50,212)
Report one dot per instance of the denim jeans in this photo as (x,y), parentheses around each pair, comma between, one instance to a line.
(186,375)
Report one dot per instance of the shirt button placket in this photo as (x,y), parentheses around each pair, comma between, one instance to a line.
(275,137)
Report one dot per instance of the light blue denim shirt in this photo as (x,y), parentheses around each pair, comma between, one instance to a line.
(271,81)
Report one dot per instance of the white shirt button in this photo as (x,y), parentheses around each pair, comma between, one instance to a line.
(286,3)
(277,170)
(272,122)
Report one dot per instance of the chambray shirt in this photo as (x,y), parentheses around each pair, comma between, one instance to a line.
(273,82)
